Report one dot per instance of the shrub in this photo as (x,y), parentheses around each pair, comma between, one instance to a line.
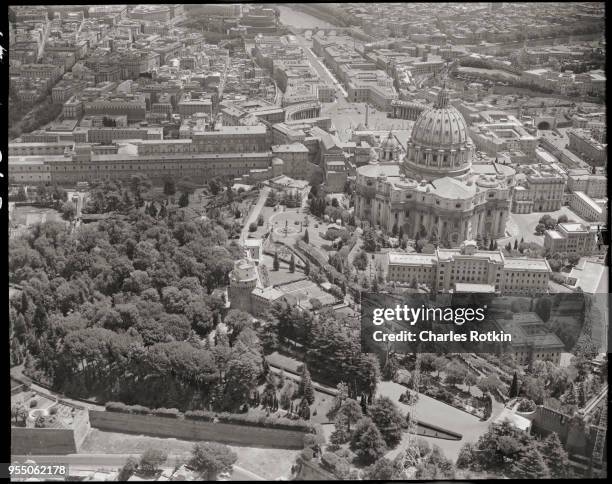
(249,420)
(309,440)
(440,394)
(252,227)
(282,423)
(123,408)
(166,412)
(50,421)
(333,463)
(33,403)
(52,410)
(200,415)
(332,447)
(139,409)
(151,460)
(526,405)
(128,469)
(116,407)
(307,454)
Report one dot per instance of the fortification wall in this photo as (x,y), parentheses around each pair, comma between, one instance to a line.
(197,430)
(42,441)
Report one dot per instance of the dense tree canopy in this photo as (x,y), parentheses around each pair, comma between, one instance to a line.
(334,350)
(210,459)
(118,308)
(506,450)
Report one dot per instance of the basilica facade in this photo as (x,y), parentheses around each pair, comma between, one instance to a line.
(435,191)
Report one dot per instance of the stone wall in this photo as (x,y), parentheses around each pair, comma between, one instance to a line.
(42,441)
(37,441)
(577,440)
(81,427)
(197,430)
(547,421)
(310,471)
(430,430)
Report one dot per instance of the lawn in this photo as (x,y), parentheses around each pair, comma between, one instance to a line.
(523,225)
(29,215)
(323,401)
(282,275)
(318,410)
(320,407)
(26,397)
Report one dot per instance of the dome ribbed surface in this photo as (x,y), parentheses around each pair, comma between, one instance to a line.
(440,128)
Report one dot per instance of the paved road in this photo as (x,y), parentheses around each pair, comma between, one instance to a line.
(263,195)
(95,462)
(318,65)
(438,413)
(602,287)
(590,276)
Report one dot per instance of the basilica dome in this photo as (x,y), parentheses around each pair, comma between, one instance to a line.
(440,127)
(439,145)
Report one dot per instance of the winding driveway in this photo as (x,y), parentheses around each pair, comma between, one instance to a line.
(255,210)
(433,411)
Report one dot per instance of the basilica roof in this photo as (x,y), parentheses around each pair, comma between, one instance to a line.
(376,169)
(493,169)
(448,187)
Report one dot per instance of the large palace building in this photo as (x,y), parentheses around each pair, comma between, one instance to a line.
(468,269)
(436,188)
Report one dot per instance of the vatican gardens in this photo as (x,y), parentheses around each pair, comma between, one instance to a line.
(125,309)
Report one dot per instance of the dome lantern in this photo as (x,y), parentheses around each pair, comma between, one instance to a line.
(442,100)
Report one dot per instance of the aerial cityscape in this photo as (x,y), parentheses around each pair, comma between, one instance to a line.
(228,223)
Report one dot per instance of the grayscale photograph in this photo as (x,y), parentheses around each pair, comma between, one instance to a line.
(306,241)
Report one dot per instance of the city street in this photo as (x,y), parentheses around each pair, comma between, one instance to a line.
(318,65)
(345,115)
